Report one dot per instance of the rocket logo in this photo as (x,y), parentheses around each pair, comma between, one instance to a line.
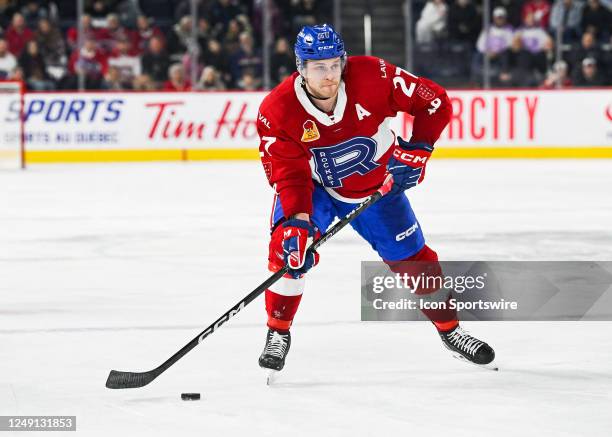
(311,133)
(334,163)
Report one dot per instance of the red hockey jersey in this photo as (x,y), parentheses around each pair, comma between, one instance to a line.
(346,152)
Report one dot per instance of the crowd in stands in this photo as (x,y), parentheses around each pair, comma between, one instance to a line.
(521,43)
(148,44)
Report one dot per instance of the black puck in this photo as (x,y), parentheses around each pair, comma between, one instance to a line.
(190,396)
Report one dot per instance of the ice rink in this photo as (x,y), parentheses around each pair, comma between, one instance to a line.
(118,266)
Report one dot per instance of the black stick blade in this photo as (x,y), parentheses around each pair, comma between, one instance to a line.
(118,379)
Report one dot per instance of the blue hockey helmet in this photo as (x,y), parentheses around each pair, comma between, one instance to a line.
(318,42)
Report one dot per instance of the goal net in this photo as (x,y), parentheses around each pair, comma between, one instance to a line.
(12,136)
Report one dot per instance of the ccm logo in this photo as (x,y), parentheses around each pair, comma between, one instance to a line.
(409,157)
(408,232)
(220,322)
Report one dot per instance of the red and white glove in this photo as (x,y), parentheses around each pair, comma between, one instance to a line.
(298,235)
(289,245)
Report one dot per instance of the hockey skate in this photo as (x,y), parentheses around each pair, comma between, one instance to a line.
(465,347)
(274,353)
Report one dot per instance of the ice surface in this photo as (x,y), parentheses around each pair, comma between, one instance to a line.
(118,266)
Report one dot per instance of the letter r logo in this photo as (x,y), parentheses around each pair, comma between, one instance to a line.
(334,163)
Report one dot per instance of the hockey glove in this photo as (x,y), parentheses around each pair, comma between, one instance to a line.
(297,238)
(407,164)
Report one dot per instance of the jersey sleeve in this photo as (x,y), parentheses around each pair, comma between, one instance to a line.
(287,169)
(422,98)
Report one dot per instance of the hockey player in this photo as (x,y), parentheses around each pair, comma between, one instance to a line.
(325,147)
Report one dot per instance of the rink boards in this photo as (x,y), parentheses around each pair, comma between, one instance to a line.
(154,126)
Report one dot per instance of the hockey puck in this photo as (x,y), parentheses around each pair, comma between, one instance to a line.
(190,396)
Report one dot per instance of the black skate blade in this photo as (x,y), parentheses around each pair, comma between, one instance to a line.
(489,366)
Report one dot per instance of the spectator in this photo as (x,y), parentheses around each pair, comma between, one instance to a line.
(144,32)
(499,36)
(125,62)
(596,19)
(178,38)
(221,13)
(210,80)
(248,82)
(588,48)
(18,74)
(155,61)
(539,10)
(557,76)
(282,62)
(51,44)
(8,63)
(99,9)
(567,15)
(184,8)
(432,24)
(113,80)
(279,24)
(176,79)
(246,58)
(588,75)
(534,38)
(33,11)
(304,14)
(91,62)
(516,66)
(544,60)
(231,40)
(492,43)
(204,32)
(463,22)
(114,33)
(143,83)
(34,70)
(89,32)
(215,57)
(203,35)
(17,35)
(129,10)
(513,10)
(244,23)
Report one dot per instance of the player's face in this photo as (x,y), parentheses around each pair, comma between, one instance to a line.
(323,77)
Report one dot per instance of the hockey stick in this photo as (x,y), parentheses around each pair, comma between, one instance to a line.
(120,379)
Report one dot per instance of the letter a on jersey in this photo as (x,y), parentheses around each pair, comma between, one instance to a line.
(311,133)
(361,112)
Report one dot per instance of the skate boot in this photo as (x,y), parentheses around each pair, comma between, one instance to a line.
(275,351)
(465,347)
